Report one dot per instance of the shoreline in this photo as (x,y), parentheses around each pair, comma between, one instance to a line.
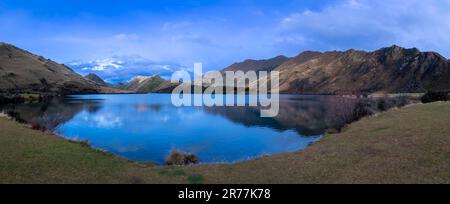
(330,130)
(332,144)
(209,172)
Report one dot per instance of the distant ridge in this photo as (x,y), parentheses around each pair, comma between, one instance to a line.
(147,84)
(95,78)
(258,65)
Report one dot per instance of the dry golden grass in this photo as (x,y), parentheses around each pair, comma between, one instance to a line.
(31,156)
(409,145)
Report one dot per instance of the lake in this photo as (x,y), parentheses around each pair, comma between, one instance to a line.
(146,127)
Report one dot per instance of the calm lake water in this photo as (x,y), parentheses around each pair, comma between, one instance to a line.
(147,127)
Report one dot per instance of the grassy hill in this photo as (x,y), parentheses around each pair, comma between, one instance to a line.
(24,72)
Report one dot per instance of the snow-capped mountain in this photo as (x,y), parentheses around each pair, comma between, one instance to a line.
(122,69)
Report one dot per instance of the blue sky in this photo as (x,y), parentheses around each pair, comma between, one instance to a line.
(173,34)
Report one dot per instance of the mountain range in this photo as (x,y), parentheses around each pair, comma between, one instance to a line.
(391,70)
(388,70)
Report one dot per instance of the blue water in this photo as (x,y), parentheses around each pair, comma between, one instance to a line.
(148,127)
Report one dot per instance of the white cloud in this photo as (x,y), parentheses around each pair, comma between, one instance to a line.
(124,68)
(367,24)
(104,64)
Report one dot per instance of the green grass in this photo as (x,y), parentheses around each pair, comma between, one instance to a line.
(380,129)
(195,179)
(408,145)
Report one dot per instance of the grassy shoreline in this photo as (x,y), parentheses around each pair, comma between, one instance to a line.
(407,145)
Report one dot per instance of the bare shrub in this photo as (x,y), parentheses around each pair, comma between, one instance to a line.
(363,108)
(343,110)
(180,159)
(340,110)
(402,100)
(432,96)
(136,179)
(16,116)
(83,143)
(36,126)
(384,103)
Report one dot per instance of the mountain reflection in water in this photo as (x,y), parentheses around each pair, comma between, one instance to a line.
(147,127)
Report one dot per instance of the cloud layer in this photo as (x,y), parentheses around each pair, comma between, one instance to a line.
(122,69)
(217,33)
(368,24)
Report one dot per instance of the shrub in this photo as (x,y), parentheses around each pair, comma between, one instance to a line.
(136,180)
(11,98)
(180,159)
(36,126)
(83,143)
(332,131)
(386,103)
(345,110)
(402,100)
(362,108)
(432,96)
(383,104)
(340,111)
(16,116)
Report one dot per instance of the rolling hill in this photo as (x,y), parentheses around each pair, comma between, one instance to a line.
(148,84)
(24,72)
